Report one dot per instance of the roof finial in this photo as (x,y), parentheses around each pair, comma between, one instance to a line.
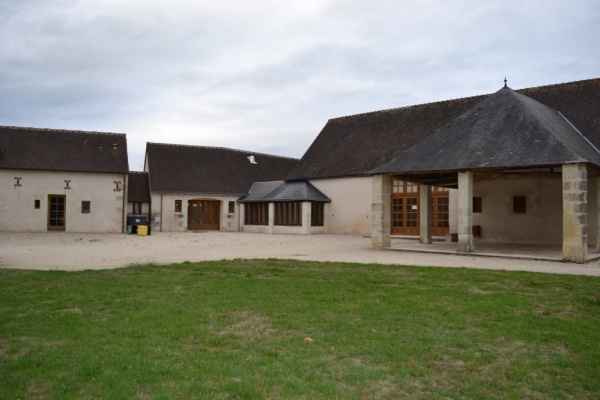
(505,82)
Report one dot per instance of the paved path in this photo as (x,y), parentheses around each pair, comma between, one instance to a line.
(77,251)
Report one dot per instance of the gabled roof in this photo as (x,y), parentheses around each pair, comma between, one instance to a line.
(354,145)
(210,170)
(508,129)
(276,191)
(62,150)
(138,187)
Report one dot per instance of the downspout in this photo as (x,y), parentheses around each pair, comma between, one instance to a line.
(124,213)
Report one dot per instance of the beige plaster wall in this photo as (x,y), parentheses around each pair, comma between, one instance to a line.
(350,209)
(177,221)
(541,224)
(18,213)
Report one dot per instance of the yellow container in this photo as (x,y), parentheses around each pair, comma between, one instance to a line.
(142,230)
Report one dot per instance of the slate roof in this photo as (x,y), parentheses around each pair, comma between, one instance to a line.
(138,187)
(62,150)
(507,129)
(210,170)
(355,145)
(277,191)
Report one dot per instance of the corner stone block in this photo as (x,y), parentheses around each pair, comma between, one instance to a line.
(575,212)
(380,212)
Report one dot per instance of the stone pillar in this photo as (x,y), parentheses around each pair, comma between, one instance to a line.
(380,212)
(306,217)
(241,216)
(271,228)
(465,212)
(425,214)
(575,227)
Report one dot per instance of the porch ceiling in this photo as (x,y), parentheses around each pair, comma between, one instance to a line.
(450,178)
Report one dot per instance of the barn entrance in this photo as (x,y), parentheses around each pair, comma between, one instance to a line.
(204,215)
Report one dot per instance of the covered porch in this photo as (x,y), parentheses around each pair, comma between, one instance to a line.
(539,174)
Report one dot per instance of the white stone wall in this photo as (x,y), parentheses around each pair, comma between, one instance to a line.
(18,214)
(541,224)
(163,212)
(350,209)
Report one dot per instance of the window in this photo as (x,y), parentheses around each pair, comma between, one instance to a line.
(37,204)
(288,213)
(256,213)
(317,214)
(519,204)
(85,207)
(231,207)
(399,187)
(477,204)
(137,207)
(177,205)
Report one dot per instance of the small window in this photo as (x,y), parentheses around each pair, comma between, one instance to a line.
(231,207)
(256,213)
(85,207)
(317,214)
(177,205)
(477,204)
(519,204)
(288,213)
(37,204)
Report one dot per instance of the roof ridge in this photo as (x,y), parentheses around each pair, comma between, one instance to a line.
(223,148)
(558,84)
(406,107)
(59,130)
(457,99)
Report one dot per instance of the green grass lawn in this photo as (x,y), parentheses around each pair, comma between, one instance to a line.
(259,329)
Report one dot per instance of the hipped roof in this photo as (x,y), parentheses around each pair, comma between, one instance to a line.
(62,150)
(210,170)
(507,129)
(278,191)
(356,144)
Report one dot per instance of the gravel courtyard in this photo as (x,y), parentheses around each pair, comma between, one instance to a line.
(77,251)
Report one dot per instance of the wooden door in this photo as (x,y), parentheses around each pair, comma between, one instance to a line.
(440,204)
(405,208)
(204,215)
(57,212)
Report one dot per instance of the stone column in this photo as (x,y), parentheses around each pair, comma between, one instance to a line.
(575,227)
(271,228)
(425,214)
(380,212)
(465,212)
(306,217)
(241,216)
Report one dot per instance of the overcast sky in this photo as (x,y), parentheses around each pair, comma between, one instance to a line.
(266,75)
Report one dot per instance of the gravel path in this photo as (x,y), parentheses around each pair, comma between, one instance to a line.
(77,251)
